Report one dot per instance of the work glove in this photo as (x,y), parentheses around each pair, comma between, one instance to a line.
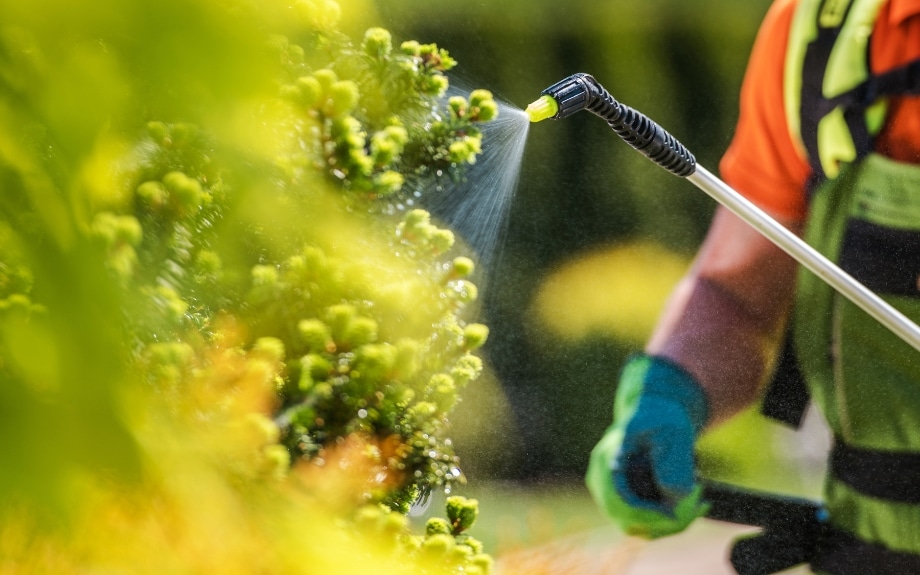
(642,471)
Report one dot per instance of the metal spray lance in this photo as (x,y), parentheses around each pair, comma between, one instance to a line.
(582,92)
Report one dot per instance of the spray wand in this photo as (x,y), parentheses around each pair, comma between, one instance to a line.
(794,530)
(582,92)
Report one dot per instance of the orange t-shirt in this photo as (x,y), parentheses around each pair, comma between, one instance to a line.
(762,162)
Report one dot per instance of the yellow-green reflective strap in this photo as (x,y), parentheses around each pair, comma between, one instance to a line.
(846,68)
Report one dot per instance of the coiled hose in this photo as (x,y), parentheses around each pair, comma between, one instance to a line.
(582,92)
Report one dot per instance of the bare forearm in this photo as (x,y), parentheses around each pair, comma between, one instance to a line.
(717,339)
(726,318)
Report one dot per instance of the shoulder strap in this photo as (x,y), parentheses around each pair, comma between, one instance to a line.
(834,104)
(828,86)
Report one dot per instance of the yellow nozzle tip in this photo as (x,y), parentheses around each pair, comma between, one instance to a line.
(545,107)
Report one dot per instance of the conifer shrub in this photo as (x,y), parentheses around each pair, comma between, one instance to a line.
(222,282)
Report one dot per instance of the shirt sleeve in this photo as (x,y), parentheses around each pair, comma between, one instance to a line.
(762,161)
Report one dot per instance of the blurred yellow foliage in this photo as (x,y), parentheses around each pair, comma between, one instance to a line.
(161,455)
(618,290)
(210,497)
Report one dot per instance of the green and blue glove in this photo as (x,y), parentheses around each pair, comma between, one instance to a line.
(642,472)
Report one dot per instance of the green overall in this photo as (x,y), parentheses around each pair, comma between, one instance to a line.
(865,215)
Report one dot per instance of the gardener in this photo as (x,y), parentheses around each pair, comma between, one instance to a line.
(842,167)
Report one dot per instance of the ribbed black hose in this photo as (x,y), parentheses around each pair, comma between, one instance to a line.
(582,92)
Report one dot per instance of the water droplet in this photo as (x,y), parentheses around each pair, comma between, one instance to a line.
(362,413)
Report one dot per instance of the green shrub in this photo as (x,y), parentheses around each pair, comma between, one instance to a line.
(202,252)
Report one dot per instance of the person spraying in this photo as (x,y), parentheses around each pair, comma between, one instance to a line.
(827,146)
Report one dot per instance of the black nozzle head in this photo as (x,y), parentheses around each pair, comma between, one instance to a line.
(582,92)
(573,94)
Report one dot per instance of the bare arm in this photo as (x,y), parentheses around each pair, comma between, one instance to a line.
(726,317)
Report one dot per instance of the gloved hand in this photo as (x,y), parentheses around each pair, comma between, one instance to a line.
(659,412)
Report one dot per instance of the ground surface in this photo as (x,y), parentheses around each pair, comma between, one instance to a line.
(701,550)
(555,529)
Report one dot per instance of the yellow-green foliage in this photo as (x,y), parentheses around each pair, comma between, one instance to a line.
(217,338)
